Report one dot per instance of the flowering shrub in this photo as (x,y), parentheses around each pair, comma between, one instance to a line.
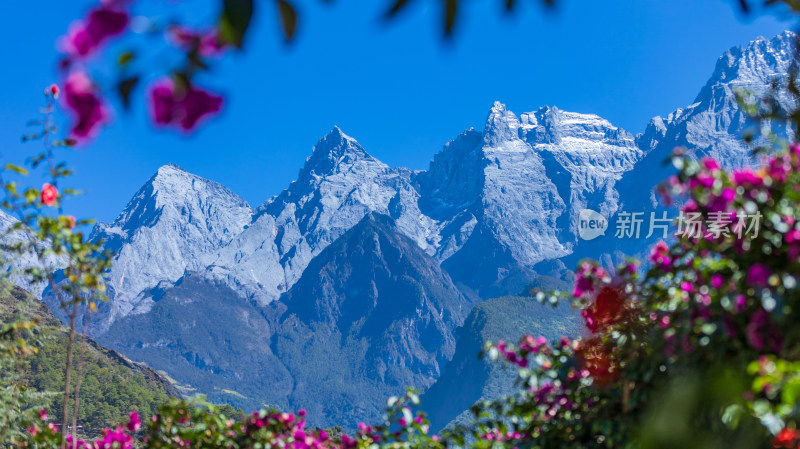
(203,425)
(714,308)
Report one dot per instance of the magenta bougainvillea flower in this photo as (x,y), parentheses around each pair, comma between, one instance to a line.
(660,256)
(183,107)
(84,37)
(81,97)
(758,275)
(134,423)
(207,42)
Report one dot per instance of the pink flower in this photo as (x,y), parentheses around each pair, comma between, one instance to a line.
(761,334)
(758,275)
(741,302)
(43,414)
(582,285)
(721,202)
(701,180)
(134,423)
(686,286)
(690,206)
(659,255)
(81,97)
(710,164)
(779,170)
(717,281)
(207,43)
(183,107)
(49,194)
(747,178)
(83,38)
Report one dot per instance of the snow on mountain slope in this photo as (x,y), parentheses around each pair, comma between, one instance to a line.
(338,185)
(509,195)
(585,151)
(175,223)
(714,123)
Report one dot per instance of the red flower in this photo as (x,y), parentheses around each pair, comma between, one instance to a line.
(52,90)
(49,194)
(596,358)
(83,38)
(607,309)
(183,107)
(81,97)
(786,438)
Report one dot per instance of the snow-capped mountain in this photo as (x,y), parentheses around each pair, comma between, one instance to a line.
(713,125)
(338,185)
(175,223)
(492,205)
(495,210)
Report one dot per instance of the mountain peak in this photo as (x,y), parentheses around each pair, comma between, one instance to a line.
(754,65)
(331,154)
(171,174)
(501,125)
(336,146)
(170,167)
(173,186)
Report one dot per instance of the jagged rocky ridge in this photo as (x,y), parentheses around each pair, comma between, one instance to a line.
(494,213)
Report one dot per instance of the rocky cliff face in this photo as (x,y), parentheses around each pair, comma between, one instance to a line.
(175,223)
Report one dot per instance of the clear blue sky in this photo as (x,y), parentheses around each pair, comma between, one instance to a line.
(398,89)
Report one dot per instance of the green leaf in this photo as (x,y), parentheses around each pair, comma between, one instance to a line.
(16,169)
(125,58)
(235,20)
(288,19)
(125,88)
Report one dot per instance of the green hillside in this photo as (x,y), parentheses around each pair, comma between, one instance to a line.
(112,385)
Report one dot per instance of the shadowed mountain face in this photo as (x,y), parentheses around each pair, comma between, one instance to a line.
(208,339)
(468,378)
(352,282)
(372,314)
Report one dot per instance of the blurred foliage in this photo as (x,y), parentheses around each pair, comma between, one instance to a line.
(113,386)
